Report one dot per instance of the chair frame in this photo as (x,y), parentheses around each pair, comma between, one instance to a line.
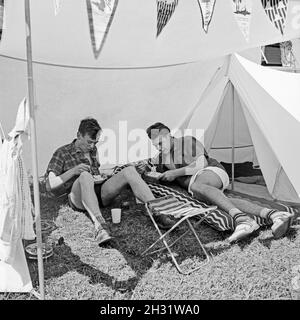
(191,228)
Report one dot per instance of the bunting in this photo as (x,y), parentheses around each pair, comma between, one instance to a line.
(100,14)
(276,10)
(165,10)
(242,10)
(207,8)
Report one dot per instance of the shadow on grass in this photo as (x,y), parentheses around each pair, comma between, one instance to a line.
(135,233)
(64,260)
(290,235)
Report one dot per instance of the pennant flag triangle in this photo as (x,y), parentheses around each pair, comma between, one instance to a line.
(101,14)
(242,10)
(276,10)
(207,10)
(165,10)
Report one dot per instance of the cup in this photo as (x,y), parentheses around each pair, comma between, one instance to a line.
(116,215)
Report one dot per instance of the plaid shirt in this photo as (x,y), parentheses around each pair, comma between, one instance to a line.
(66,158)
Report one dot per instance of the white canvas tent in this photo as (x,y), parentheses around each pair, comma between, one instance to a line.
(185,77)
(265,117)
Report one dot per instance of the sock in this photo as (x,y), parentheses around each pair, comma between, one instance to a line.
(100,219)
(238,215)
(266,213)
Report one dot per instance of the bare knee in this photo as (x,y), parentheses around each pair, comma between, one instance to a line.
(130,173)
(85,177)
(198,188)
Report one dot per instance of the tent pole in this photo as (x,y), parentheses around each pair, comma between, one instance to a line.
(233,139)
(34,148)
(205,93)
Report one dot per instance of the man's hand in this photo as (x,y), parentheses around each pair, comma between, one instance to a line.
(169,175)
(81,168)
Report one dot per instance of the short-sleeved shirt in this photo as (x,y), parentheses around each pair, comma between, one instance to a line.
(68,157)
(185,151)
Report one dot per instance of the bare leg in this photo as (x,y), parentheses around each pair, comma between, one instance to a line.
(83,197)
(249,207)
(128,176)
(207,185)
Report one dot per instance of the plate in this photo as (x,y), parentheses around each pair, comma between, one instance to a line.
(99,178)
(44,256)
(31,250)
(154,174)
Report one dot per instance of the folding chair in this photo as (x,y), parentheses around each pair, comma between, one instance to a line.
(183,212)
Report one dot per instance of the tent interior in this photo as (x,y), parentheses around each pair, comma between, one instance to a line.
(185,77)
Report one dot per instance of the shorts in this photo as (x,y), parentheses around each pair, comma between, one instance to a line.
(222,174)
(97,188)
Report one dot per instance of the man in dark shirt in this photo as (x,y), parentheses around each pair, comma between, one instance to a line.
(71,171)
(186,161)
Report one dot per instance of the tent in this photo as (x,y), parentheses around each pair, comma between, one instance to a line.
(130,63)
(264,115)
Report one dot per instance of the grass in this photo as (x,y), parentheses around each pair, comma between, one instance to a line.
(258,268)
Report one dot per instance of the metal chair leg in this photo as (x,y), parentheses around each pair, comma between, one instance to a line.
(168,247)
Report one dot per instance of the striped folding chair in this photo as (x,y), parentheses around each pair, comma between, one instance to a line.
(182,212)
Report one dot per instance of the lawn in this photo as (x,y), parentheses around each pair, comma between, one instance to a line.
(258,268)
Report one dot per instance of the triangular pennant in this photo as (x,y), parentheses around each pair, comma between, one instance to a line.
(165,10)
(276,10)
(207,8)
(101,14)
(242,10)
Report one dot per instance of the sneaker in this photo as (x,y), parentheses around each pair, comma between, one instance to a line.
(243,229)
(281,223)
(102,236)
(163,221)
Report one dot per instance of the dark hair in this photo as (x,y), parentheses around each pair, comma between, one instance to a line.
(155,129)
(89,126)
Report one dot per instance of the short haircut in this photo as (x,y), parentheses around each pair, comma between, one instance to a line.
(89,126)
(155,129)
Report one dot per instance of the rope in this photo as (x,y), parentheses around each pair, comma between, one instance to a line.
(101,68)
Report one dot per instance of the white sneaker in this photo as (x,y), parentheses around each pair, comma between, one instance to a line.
(243,230)
(282,221)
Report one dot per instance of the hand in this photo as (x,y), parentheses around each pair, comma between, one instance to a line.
(169,175)
(81,168)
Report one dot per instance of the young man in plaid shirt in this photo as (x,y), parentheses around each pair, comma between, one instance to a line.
(71,170)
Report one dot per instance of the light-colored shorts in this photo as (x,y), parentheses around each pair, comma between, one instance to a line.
(222,174)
